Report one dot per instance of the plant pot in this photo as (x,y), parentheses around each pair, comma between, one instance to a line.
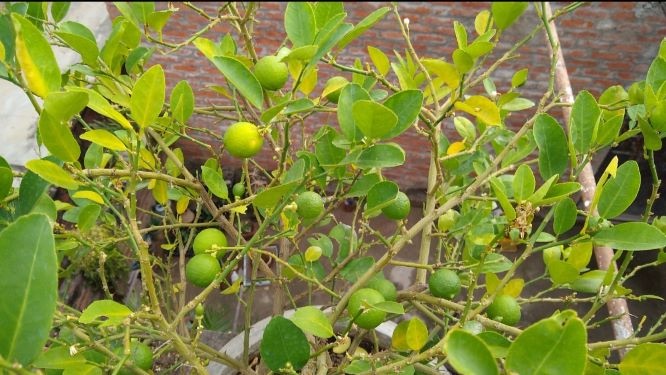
(234,347)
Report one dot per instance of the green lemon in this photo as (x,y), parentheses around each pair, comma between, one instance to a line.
(310,204)
(385,287)
(504,309)
(399,209)
(369,318)
(140,355)
(210,239)
(334,95)
(202,269)
(243,140)
(271,73)
(444,283)
(238,189)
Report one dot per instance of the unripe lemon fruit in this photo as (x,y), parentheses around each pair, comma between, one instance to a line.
(209,239)
(271,73)
(202,269)
(310,205)
(399,209)
(243,140)
(370,317)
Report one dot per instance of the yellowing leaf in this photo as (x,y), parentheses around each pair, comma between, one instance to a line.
(99,104)
(308,82)
(35,57)
(52,173)
(445,71)
(482,108)
(380,60)
(233,288)
(611,169)
(514,287)
(240,209)
(160,192)
(90,195)
(455,148)
(146,159)
(104,138)
(481,23)
(181,204)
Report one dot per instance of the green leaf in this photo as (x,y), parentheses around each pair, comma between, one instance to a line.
(468,354)
(312,320)
(619,192)
(182,102)
(300,23)
(644,359)
(506,13)
(479,48)
(461,34)
(99,104)
(30,191)
(584,120)
(58,358)
(523,183)
(52,173)
(283,342)
(325,11)
(482,108)
(59,10)
(79,38)
(517,104)
(564,216)
(633,236)
(656,74)
(270,197)
(35,57)
(239,76)
(215,182)
(589,282)
(651,138)
(390,307)
(558,192)
(380,60)
(83,369)
(104,138)
(63,105)
(561,272)
(552,144)
(406,105)
(580,255)
(348,96)
(58,138)
(373,119)
(463,61)
(356,268)
(358,366)
(500,194)
(380,196)
(363,26)
(556,345)
(88,216)
(148,96)
(383,155)
(519,78)
(410,334)
(113,312)
(498,344)
(6,181)
(28,287)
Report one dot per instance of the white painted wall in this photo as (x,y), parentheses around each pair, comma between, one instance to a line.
(18,119)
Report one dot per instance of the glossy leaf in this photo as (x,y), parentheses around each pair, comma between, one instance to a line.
(584,121)
(561,272)
(644,359)
(88,216)
(468,354)
(240,77)
(580,254)
(83,369)
(284,342)
(89,195)
(312,320)
(447,72)
(113,313)
(182,102)
(564,216)
(373,119)
(28,287)
(105,139)
(498,344)
(348,96)
(99,104)
(35,57)
(356,268)
(519,78)
(300,23)
(555,345)
(383,155)
(500,194)
(79,38)
(380,60)
(589,282)
(407,106)
(215,182)
(619,192)
(552,144)
(632,236)
(523,183)
(271,196)
(148,96)
(380,196)
(325,11)
(58,138)
(506,13)
(52,173)
(363,26)
(59,10)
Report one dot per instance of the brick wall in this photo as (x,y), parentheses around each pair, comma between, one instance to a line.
(604,44)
